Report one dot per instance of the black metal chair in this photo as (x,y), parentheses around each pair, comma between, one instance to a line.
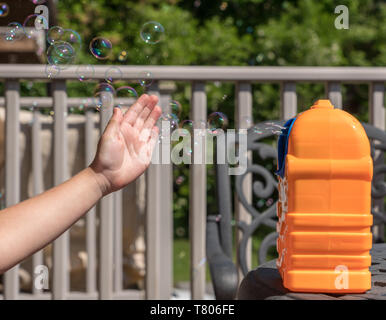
(219,230)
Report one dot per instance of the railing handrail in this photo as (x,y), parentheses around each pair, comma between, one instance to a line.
(208,73)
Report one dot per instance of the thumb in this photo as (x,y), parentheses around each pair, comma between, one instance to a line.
(114,122)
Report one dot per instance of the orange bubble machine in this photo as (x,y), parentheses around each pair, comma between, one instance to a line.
(324,218)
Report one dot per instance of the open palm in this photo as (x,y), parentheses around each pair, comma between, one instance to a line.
(126,146)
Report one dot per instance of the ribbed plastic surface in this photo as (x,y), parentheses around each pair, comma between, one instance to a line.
(324,203)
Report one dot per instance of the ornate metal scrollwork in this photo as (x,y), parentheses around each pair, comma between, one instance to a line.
(262,189)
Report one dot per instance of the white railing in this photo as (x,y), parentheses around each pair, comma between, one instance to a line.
(159,215)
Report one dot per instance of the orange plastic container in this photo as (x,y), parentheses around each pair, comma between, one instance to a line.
(324,171)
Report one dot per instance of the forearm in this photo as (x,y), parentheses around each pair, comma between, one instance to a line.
(32,224)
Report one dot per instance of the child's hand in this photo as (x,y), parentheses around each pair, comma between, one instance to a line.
(125,148)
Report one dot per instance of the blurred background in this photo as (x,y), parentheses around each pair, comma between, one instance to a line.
(213,33)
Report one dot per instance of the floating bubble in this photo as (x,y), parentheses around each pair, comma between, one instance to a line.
(216,121)
(113,74)
(4,9)
(246,122)
(145,78)
(180,180)
(60,54)
(38,1)
(54,34)
(126,92)
(86,103)
(187,125)
(260,203)
(268,128)
(101,48)
(269,202)
(103,98)
(85,72)
(180,231)
(103,86)
(171,118)
(73,38)
(122,56)
(14,31)
(175,107)
(34,24)
(152,32)
(52,70)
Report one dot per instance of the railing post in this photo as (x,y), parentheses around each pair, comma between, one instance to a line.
(91,238)
(243,116)
(106,216)
(334,94)
(197,201)
(12,171)
(288,108)
(166,222)
(377,119)
(37,171)
(152,228)
(61,281)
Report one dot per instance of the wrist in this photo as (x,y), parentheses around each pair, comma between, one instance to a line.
(101,181)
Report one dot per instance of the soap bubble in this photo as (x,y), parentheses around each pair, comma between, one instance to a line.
(86,103)
(122,56)
(34,24)
(85,72)
(52,70)
(175,107)
(180,180)
(152,32)
(73,38)
(145,78)
(54,34)
(246,122)
(38,1)
(187,125)
(4,9)
(103,86)
(60,54)
(268,128)
(102,98)
(171,118)
(126,92)
(101,48)
(15,31)
(216,121)
(113,74)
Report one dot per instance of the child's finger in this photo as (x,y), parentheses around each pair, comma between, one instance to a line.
(152,118)
(145,113)
(131,115)
(153,139)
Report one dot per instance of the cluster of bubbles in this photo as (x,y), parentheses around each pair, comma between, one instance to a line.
(64,44)
(104,93)
(4,9)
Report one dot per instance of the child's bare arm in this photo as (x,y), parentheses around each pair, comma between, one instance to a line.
(124,153)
